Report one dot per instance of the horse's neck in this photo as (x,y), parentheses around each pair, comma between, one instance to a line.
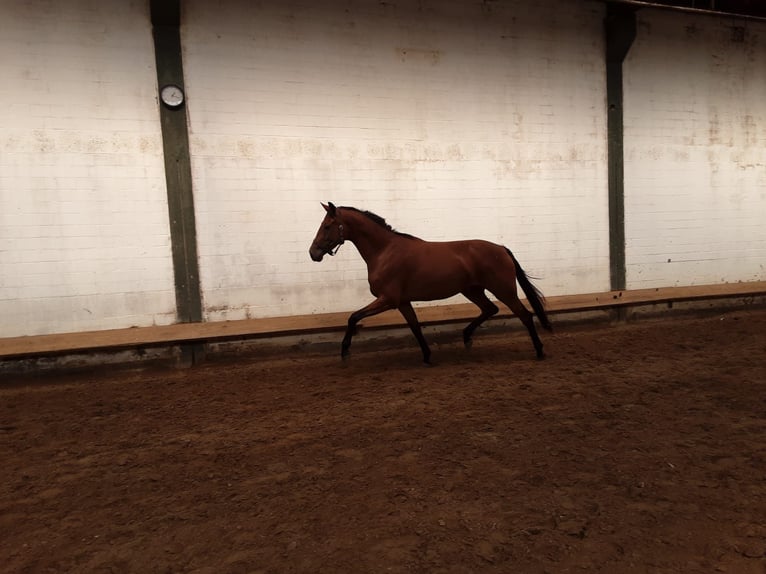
(369,238)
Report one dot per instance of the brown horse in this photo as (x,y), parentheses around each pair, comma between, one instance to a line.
(402,268)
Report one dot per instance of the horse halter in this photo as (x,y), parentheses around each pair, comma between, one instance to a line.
(330,252)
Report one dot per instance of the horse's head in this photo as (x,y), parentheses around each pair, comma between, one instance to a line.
(330,235)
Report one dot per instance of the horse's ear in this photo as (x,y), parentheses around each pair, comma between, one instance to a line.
(330,208)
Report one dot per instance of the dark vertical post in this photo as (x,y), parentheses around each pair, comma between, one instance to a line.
(620,33)
(166,20)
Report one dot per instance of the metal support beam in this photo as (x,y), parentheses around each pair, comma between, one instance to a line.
(620,32)
(166,17)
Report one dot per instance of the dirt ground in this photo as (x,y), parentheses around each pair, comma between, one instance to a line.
(635,447)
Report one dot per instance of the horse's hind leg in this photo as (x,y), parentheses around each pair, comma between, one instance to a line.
(477,296)
(518,308)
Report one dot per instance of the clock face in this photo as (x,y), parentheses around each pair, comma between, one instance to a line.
(172,96)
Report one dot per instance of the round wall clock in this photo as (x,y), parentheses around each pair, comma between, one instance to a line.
(172,96)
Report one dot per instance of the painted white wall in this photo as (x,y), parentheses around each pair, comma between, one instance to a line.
(84,237)
(695,151)
(451,119)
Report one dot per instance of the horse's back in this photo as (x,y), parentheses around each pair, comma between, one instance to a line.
(439,269)
(473,252)
(486,264)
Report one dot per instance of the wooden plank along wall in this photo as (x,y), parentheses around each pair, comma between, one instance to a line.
(198,333)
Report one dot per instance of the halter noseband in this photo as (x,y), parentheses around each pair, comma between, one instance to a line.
(330,252)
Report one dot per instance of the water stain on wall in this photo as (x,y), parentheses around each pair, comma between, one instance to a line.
(419,55)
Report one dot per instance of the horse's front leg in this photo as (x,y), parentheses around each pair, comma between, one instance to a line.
(377,306)
(412,320)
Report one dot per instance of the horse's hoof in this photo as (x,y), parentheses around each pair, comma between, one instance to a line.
(468,343)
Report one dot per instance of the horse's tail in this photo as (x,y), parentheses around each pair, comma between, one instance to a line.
(534,296)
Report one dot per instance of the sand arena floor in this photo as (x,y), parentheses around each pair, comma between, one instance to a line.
(638,447)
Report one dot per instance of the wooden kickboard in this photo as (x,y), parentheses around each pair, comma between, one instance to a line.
(18,347)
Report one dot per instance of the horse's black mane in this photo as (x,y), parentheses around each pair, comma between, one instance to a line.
(379,220)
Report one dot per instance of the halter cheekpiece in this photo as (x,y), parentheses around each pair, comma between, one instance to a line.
(342,241)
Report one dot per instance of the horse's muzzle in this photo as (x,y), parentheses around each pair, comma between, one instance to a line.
(316,253)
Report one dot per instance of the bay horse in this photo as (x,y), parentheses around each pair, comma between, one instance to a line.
(402,268)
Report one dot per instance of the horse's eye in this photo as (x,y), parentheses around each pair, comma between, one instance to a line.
(327,228)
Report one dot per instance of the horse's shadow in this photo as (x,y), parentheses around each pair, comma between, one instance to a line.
(393,352)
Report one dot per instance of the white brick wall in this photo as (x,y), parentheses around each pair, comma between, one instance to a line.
(84,240)
(453,120)
(695,151)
